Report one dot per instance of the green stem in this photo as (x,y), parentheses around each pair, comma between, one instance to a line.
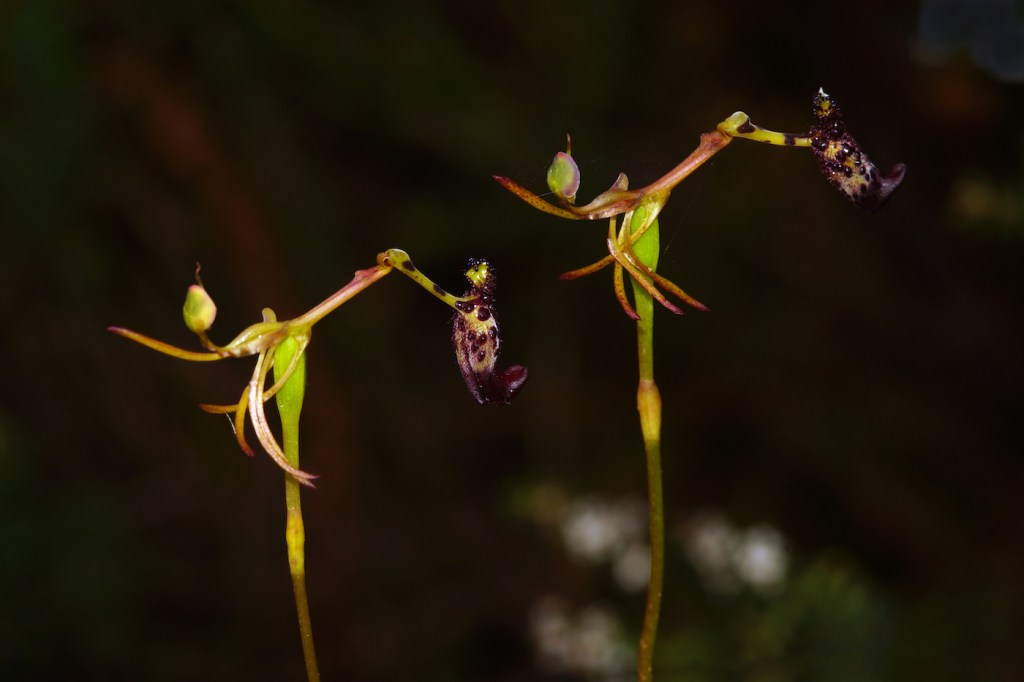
(289,406)
(648,401)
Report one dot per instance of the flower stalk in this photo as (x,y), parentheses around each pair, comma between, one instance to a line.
(633,248)
(648,402)
(280,348)
(291,369)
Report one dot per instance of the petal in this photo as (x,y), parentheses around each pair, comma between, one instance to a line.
(262,427)
(166,348)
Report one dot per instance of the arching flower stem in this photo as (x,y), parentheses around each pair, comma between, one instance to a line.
(360,281)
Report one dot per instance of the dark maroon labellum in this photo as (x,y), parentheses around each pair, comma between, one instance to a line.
(475,335)
(842,162)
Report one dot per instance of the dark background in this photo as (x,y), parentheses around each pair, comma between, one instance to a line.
(856,385)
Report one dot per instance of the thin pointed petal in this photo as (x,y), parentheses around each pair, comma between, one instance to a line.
(627,260)
(166,348)
(640,279)
(239,424)
(256,338)
(661,281)
(621,183)
(267,395)
(676,291)
(651,289)
(652,211)
(587,269)
(612,202)
(279,384)
(618,282)
(262,427)
(534,200)
(218,409)
(593,267)
(629,253)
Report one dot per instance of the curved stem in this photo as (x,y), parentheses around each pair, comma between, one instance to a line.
(400,261)
(649,407)
(710,144)
(739,125)
(361,280)
(289,406)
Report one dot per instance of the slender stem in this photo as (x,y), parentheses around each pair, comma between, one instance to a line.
(648,401)
(710,144)
(400,260)
(739,125)
(289,405)
(649,408)
(361,280)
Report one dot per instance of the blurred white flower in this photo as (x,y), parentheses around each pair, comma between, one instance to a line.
(590,644)
(727,559)
(597,530)
(710,543)
(760,558)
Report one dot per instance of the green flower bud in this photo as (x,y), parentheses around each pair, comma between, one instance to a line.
(199,310)
(564,177)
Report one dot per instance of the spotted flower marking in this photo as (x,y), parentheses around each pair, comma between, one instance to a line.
(842,162)
(475,332)
(477,341)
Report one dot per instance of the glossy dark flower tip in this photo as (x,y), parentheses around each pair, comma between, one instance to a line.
(843,163)
(475,335)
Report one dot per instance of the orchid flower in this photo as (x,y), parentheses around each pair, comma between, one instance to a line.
(839,158)
(262,340)
(475,338)
(280,346)
(633,248)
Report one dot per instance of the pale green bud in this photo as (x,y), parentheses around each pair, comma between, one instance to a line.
(564,177)
(199,310)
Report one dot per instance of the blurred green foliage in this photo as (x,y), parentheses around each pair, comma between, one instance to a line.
(857,383)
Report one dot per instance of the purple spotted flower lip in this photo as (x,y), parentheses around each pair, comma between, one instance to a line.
(844,164)
(477,341)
